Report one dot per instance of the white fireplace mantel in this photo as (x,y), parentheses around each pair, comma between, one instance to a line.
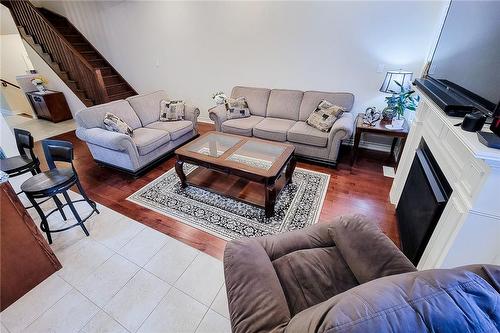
(468,230)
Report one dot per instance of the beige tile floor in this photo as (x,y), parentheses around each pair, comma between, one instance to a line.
(39,128)
(124,277)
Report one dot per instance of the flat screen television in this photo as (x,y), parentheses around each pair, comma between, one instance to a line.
(464,73)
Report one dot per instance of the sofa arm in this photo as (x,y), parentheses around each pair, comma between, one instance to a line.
(218,115)
(368,252)
(255,296)
(191,113)
(344,124)
(104,138)
(341,130)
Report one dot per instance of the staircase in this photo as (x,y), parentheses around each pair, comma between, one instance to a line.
(86,72)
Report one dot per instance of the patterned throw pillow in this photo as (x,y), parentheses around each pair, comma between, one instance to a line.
(115,124)
(171,110)
(325,115)
(237,108)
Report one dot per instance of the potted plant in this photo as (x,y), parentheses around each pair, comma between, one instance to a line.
(39,82)
(219,98)
(398,103)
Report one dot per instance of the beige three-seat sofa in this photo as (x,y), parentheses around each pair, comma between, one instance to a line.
(280,115)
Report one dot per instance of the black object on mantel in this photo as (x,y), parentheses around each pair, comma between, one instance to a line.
(489,139)
(473,121)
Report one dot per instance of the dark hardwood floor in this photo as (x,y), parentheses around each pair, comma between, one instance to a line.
(362,189)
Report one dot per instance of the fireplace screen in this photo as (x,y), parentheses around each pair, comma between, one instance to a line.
(422,201)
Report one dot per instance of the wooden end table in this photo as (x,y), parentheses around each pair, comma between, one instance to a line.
(246,169)
(379,129)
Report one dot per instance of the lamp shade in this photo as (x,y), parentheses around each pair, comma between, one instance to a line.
(388,86)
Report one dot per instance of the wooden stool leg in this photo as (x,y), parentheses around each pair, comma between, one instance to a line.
(75,213)
(59,206)
(84,195)
(44,225)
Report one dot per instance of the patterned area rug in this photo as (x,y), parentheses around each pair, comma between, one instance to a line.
(298,205)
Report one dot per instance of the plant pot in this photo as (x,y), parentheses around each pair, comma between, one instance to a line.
(388,114)
(397,123)
(41,88)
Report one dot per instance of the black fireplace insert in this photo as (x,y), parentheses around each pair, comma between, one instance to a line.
(422,202)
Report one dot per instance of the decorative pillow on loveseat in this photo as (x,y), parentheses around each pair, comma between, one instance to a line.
(325,115)
(237,108)
(171,110)
(114,123)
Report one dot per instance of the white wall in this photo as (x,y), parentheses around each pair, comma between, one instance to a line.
(192,49)
(7,25)
(13,61)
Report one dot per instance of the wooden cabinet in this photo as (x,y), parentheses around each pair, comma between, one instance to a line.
(25,256)
(50,105)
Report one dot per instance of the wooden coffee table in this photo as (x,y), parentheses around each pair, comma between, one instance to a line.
(246,169)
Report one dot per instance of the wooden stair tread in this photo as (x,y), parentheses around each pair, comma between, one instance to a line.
(121,95)
(115,84)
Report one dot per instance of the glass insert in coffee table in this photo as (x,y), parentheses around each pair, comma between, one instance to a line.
(213,144)
(257,154)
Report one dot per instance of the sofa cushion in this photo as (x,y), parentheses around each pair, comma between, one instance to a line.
(273,129)
(307,135)
(176,129)
(149,139)
(256,98)
(284,104)
(311,100)
(241,126)
(114,123)
(325,115)
(237,108)
(312,276)
(147,106)
(171,110)
(94,116)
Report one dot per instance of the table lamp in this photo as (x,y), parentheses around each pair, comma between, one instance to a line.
(389,86)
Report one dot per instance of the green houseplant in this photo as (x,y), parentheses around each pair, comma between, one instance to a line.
(398,103)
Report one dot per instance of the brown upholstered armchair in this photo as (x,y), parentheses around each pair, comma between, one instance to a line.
(271,279)
(345,276)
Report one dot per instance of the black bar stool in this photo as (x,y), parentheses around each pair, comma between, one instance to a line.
(18,165)
(25,162)
(57,181)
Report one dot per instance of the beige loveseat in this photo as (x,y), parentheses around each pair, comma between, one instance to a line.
(280,115)
(152,139)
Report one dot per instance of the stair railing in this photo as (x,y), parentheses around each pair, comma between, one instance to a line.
(88,78)
(6,83)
